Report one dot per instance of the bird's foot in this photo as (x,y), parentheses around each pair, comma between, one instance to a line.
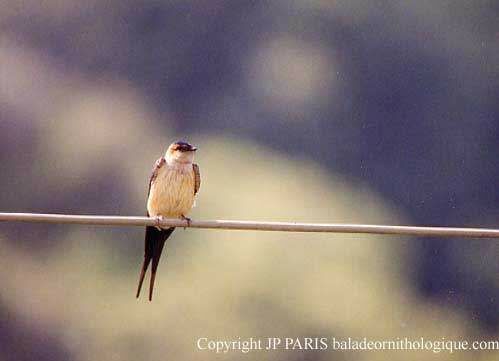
(186,219)
(159,220)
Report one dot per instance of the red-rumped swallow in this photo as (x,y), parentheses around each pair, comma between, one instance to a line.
(173,186)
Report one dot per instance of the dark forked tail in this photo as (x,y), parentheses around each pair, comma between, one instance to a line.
(154,242)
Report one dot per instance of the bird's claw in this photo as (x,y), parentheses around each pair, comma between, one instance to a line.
(159,220)
(187,219)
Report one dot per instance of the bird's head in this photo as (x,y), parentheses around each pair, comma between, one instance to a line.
(180,152)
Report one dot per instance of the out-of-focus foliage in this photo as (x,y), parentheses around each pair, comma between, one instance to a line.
(220,283)
(344,111)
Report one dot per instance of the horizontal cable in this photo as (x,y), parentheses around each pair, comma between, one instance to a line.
(251,225)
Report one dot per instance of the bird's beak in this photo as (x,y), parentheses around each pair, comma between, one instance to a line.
(193,148)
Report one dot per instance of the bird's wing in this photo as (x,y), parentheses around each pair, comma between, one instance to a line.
(154,239)
(157,166)
(197,178)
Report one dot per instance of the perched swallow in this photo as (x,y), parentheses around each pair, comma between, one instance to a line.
(173,186)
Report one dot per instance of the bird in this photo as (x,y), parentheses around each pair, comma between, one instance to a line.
(173,186)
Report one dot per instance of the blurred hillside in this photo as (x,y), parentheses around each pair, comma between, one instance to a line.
(353,111)
(78,293)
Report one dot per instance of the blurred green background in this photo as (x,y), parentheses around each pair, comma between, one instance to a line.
(322,111)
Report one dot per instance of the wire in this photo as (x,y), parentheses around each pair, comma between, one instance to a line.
(251,225)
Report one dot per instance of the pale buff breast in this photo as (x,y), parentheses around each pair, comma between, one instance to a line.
(172,193)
